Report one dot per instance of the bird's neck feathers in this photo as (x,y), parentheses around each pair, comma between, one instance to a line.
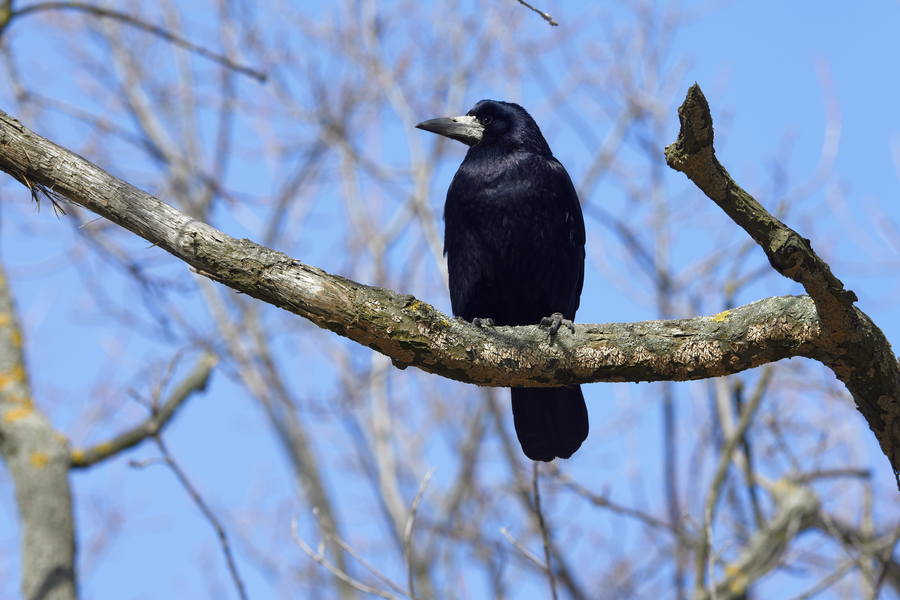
(514,134)
(526,140)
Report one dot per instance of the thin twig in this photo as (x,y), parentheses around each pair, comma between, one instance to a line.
(195,381)
(887,560)
(207,512)
(826,582)
(544,15)
(408,531)
(602,501)
(368,566)
(170,37)
(521,548)
(319,557)
(704,555)
(545,535)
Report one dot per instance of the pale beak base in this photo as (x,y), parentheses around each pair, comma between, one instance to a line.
(465,129)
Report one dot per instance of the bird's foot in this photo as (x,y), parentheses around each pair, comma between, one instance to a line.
(554,322)
(478,322)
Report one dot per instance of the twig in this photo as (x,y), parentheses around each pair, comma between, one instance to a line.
(796,511)
(170,37)
(887,561)
(408,531)
(827,581)
(544,15)
(207,512)
(319,557)
(521,548)
(368,566)
(856,473)
(195,381)
(704,556)
(545,535)
(601,501)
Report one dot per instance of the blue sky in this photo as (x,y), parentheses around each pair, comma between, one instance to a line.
(774,74)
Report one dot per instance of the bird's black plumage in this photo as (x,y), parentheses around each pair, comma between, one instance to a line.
(514,240)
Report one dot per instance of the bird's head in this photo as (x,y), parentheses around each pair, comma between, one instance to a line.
(491,122)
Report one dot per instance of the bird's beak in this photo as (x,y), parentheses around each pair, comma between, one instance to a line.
(465,129)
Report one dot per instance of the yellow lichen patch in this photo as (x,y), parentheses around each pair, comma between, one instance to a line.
(718,318)
(39,459)
(77,455)
(15,338)
(738,584)
(23,399)
(732,570)
(104,448)
(14,375)
(5,319)
(14,414)
(414,305)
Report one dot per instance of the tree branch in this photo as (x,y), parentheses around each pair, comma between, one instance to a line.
(412,332)
(544,15)
(195,381)
(851,344)
(7,15)
(796,508)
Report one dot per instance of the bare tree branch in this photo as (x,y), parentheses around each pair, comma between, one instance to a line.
(542,525)
(204,508)
(797,507)
(195,381)
(853,346)
(6,17)
(704,562)
(411,332)
(544,15)
(408,533)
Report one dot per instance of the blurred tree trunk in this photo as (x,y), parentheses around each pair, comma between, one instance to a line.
(37,457)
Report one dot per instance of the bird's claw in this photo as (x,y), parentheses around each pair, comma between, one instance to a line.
(555,321)
(477,321)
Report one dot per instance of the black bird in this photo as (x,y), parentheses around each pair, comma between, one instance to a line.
(514,240)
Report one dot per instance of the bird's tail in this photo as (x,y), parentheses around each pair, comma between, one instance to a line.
(550,422)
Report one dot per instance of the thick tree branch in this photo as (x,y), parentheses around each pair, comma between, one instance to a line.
(412,332)
(195,381)
(851,344)
(790,254)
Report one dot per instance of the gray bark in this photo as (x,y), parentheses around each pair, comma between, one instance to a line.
(37,457)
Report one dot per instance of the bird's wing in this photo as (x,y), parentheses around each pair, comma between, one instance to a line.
(514,239)
(574,225)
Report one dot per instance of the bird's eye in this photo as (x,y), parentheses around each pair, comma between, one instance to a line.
(486,120)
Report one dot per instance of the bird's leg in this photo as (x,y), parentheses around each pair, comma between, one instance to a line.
(485,322)
(478,321)
(555,321)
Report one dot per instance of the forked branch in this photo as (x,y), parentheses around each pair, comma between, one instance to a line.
(825,326)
